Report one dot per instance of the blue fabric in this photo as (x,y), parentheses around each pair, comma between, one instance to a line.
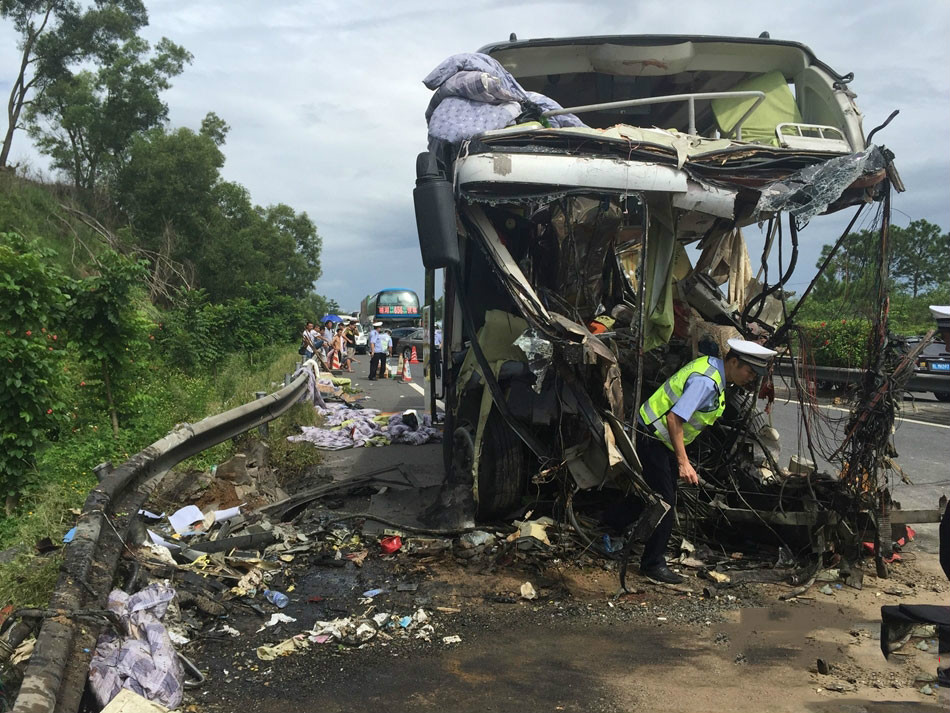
(700,393)
(474,93)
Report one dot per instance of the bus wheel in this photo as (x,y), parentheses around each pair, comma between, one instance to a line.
(502,473)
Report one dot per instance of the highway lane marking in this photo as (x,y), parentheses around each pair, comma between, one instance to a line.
(422,391)
(900,418)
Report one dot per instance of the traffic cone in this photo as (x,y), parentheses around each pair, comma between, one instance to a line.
(414,359)
(335,361)
(406,373)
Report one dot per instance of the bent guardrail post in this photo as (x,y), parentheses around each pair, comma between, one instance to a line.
(56,673)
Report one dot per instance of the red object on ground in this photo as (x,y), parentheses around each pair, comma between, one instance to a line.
(315,599)
(392,544)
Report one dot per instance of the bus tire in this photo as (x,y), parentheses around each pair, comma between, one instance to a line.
(502,470)
(943,396)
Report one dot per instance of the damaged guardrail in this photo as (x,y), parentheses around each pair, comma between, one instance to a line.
(918,381)
(55,676)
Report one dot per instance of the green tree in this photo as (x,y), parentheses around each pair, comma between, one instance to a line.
(215,128)
(55,35)
(105,323)
(168,181)
(31,303)
(86,121)
(921,255)
(301,247)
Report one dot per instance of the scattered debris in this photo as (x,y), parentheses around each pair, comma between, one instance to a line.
(284,648)
(528,591)
(390,545)
(127,701)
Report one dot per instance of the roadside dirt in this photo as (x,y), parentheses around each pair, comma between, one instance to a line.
(578,647)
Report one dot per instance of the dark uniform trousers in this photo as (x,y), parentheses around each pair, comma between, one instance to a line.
(661,472)
(375,364)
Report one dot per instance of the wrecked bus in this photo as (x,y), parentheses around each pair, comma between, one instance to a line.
(563,181)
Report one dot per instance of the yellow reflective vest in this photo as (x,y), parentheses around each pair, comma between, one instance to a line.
(653,411)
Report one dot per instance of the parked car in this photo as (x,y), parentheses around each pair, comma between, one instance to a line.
(400,333)
(935,359)
(361,341)
(415,338)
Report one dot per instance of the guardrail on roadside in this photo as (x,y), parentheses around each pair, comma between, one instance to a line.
(55,676)
(937,383)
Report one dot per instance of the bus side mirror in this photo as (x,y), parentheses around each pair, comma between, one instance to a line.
(435,214)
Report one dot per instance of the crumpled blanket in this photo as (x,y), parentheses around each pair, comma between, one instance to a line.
(145,662)
(475,93)
(359,428)
(407,428)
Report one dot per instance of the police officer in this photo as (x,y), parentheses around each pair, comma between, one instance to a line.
(687,402)
(375,345)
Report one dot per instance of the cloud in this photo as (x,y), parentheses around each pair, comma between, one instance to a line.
(326,103)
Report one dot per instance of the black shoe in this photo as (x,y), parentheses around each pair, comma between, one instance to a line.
(371,378)
(662,573)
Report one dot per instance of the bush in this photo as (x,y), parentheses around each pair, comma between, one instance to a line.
(31,304)
(198,334)
(840,342)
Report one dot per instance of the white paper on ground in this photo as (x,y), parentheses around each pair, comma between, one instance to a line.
(182,518)
(220,515)
(159,540)
(277,619)
(127,701)
(151,515)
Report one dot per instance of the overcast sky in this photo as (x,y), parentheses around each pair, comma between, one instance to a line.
(326,103)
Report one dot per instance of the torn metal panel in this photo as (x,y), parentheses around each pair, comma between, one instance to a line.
(586,229)
(491,174)
(810,191)
(707,199)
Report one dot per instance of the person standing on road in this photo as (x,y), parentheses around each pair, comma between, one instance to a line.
(375,347)
(328,333)
(686,403)
(339,344)
(437,351)
(386,339)
(349,334)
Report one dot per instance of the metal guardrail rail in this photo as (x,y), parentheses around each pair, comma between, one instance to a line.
(690,100)
(937,383)
(55,676)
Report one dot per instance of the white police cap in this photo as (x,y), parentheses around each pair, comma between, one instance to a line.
(941,314)
(753,354)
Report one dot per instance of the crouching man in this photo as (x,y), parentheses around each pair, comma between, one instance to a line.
(686,403)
